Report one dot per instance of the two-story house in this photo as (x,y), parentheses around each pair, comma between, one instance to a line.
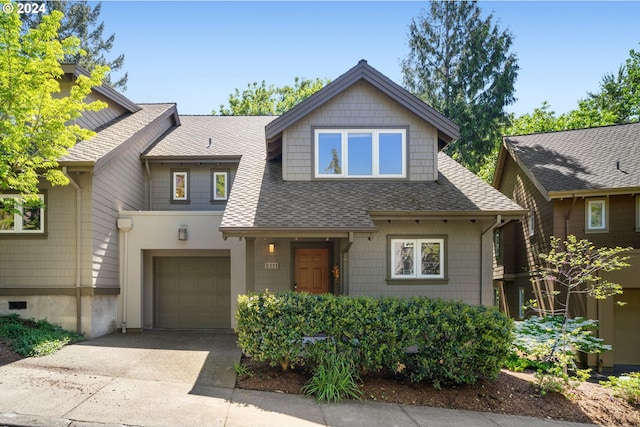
(348,192)
(580,182)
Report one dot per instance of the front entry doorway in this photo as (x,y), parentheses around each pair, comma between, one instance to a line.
(311,270)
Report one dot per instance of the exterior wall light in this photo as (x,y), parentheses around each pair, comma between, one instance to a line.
(272,248)
(182,232)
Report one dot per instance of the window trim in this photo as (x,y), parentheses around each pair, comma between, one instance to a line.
(175,173)
(18,219)
(637,213)
(417,278)
(531,224)
(375,158)
(214,196)
(605,216)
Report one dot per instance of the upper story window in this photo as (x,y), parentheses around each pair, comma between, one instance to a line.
(220,185)
(179,186)
(19,216)
(532,225)
(596,215)
(360,153)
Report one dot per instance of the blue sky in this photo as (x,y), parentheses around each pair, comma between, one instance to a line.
(196,53)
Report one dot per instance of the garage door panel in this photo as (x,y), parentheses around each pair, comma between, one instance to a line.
(192,292)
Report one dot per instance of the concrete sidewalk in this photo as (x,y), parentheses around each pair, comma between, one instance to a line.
(162,378)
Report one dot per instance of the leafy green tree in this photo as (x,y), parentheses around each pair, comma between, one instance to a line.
(36,122)
(573,266)
(81,21)
(619,95)
(261,100)
(462,65)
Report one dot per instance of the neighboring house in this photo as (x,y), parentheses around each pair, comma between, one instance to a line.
(348,193)
(585,183)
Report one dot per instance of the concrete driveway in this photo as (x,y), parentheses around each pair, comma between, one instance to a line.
(149,378)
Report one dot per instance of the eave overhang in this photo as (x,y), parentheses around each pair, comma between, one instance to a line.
(594,192)
(447,129)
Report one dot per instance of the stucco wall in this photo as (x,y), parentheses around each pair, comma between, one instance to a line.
(360,106)
(157,231)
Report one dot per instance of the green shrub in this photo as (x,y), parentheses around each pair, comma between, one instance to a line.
(334,378)
(34,337)
(626,386)
(451,342)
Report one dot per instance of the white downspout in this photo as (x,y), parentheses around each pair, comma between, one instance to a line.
(78,249)
(490,228)
(125,225)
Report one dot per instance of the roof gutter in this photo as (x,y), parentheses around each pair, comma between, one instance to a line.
(595,192)
(78,281)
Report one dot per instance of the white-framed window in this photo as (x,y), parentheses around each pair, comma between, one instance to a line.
(417,258)
(532,225)
(360,153)
(596,215)
(20,216)
(180,186)
(220,185)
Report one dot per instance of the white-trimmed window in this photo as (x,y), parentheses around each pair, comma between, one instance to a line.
(220,185)
(180,186)
(19,216)
(596,215)
(360,153)
(417,258)
(532,225)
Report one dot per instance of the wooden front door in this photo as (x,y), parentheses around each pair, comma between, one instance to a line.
(311,270)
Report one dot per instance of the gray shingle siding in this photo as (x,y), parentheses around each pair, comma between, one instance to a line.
(363,106)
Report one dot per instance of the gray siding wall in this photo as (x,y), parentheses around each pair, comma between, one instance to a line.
(119,185)
(94,119)
(360,106)
(368,261)
(49,261)
(199,186)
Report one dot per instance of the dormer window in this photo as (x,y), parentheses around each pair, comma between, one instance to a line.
(360,153)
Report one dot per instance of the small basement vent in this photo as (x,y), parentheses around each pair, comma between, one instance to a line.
(17,305)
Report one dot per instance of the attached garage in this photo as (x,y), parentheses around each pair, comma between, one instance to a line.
(192,292)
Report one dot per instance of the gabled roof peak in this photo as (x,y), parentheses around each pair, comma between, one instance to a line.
(447,129)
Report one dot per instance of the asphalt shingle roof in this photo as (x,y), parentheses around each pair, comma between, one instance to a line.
(230,136)
(342,205)
(597,158)
(260,198)
(115,133)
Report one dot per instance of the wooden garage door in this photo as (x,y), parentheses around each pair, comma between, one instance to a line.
(192,292)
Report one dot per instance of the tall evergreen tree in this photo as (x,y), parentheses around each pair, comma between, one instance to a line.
(461,64)
(81,21)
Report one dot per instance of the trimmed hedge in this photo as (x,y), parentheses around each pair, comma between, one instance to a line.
(426,339)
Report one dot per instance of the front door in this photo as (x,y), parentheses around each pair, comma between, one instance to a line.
(311,270)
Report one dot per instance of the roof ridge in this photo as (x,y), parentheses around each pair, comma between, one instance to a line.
(571,130)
